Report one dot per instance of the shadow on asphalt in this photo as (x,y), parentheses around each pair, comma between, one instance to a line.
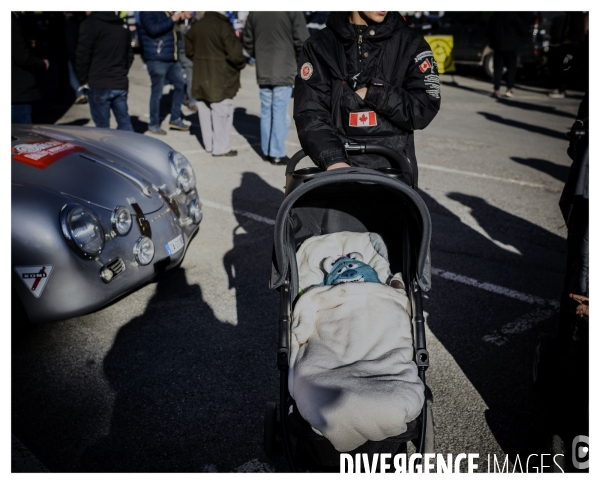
(535,107)
(526,126)
(139,126)
(560,172)
(190,390)
(248,125)
(460,315)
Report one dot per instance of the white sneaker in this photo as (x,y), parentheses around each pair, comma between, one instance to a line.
(556,94)
(509,93)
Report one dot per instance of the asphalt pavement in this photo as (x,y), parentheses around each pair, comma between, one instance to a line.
(175,376)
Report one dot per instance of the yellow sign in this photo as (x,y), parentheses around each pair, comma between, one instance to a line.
(442,46)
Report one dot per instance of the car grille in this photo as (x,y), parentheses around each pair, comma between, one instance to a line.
(116,267)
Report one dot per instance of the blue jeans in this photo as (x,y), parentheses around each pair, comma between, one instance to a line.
(159,73)
(274,119)
(20,113)
(101,101)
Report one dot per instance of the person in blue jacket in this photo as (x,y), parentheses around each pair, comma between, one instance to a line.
(159,51)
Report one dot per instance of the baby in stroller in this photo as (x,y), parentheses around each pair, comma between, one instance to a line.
(352,373)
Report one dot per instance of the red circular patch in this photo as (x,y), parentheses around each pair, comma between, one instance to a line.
(306,71)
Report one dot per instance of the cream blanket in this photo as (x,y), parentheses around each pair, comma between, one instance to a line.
(351,369)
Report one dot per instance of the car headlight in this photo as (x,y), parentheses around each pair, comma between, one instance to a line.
(182,171)
(121,220)
(81,227)
(144,250)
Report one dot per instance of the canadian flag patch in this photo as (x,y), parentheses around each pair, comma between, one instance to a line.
(366,118)
(425,65)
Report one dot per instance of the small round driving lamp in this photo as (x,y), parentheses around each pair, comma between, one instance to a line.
(121,220)
(195,211)
(144,250)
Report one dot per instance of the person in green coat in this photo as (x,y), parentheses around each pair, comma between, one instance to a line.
(218,59)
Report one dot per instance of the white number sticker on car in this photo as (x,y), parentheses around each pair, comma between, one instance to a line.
(175,245)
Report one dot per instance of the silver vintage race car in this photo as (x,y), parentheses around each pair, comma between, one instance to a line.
(95,214)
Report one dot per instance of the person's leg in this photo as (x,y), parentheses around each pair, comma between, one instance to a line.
(21,113)
(510,58)
(188,67)
(266,117)
(119,108)
(206,127)
(175,77)
(99,101)
(498,68)
(281,120)
(222,121)
(80,97)
(158,72)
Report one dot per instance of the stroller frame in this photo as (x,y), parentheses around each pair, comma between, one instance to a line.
(285,271)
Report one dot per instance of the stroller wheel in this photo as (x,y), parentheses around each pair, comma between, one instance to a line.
(270,428)
(429,431)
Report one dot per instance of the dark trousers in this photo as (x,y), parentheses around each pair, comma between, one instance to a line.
(20,113)
(101,101)
(162,73)
(502,59)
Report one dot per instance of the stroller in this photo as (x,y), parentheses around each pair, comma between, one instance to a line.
(357,200)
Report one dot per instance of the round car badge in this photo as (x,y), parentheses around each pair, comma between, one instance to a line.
(306,71)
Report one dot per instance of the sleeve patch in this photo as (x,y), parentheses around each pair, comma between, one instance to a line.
(423,55)
(306,71)
(432,81)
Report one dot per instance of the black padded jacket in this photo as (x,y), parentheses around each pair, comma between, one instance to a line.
(397,66)
(104,53)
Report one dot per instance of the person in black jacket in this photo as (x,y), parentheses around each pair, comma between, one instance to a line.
(367,77)
(104,56)
(24,67)
(505,31)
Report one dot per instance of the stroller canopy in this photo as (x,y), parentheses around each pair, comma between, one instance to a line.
(355,200)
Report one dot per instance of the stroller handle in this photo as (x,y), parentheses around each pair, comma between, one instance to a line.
(392,156)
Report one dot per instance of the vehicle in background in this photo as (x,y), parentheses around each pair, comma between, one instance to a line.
(471,43)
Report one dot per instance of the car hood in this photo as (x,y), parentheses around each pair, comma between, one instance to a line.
(103,167)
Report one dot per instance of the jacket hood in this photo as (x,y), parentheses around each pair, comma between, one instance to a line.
(338,22)
(109,17)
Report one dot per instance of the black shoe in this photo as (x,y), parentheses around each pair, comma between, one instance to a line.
(230,153)
(267,158)
(276,160)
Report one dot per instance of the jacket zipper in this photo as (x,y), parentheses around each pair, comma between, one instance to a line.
(359,51)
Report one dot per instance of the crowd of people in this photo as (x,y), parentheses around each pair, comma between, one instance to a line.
(201,55)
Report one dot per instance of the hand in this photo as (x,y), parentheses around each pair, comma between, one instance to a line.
(176,16)
(362,92)
(341,164)
(47,62)
(187,15)
(583,309)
